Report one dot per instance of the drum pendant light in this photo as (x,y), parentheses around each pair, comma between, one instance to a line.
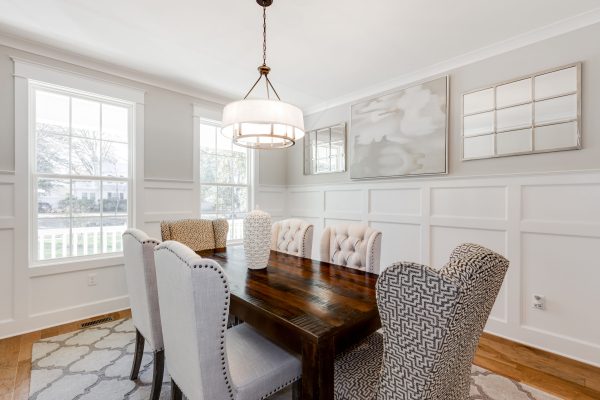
(263,123)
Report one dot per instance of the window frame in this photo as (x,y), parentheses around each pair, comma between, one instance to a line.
(250,184)
(33,175)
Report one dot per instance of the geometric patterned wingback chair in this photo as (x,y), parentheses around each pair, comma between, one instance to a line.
(292,236)
(431,322)
(197,234)
(140,273)
(352,245)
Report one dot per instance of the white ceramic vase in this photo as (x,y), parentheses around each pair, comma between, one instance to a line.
(257,239)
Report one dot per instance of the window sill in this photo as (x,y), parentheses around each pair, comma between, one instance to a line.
(61,267)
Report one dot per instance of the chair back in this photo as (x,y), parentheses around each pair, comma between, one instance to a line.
(140,273)
(432,321)
(197,234)
(353,245)
(292,236)
(194,304)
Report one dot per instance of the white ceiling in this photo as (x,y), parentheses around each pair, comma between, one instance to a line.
(319,50)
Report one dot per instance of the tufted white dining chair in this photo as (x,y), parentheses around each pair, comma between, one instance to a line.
(138,249)
(431,322)
(207,361)
(292,236)
(353,245)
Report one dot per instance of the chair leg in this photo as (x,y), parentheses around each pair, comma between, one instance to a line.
(157,374)
(175,391)
(137,357)
(297,390)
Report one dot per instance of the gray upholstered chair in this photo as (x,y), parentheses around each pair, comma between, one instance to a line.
(140,274)
(206,360)
(292,236)
(353,245)
(197,234)
(431,323)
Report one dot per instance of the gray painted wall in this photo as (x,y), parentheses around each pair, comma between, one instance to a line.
(582,45)
(168,119)
(272,166)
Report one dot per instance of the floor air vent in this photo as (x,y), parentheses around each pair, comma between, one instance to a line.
(96,322)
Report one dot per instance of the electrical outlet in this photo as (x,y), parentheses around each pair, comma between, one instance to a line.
(92,280)
(539,302)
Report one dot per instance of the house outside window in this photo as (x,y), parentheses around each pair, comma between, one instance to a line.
(225,183)
(81,158)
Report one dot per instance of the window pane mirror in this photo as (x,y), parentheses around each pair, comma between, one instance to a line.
(325,150)
(534,114)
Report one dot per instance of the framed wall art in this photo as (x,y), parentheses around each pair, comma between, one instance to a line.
(538,113)
(401,133)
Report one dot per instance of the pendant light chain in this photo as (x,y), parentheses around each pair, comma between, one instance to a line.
(264,69)
(264,35)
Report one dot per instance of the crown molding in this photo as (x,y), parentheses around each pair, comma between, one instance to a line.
(445,67)
(53,53)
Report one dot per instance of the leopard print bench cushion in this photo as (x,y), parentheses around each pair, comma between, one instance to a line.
(197,234)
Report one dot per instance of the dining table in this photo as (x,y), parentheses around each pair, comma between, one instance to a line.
(311,308)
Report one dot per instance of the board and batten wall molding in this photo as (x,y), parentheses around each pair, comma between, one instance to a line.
(546,224)
(168,199)
(33,298)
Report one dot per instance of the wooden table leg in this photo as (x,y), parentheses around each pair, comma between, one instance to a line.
(317,370)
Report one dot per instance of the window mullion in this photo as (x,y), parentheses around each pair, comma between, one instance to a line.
(102,184)
(71,252)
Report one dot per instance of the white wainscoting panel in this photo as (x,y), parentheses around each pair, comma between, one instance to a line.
(7,247)
(547,225)
(271,199)
(166,199)
(566,270)
(6,274)
(305,203)
(7,203)
(470,202)
(169,200)
(399,242)
(48,294)
(566,203)
(395,201)
(343,201)
(445,238)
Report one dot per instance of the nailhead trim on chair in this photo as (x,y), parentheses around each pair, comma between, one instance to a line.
(371,267)
(304,239)
(225,314)
(266,396)
(152,241)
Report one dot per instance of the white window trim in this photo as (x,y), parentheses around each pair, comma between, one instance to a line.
(26,73)
(200,114)
(33,86)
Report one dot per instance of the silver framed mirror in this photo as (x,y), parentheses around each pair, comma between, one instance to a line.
(325,150)
(534,114)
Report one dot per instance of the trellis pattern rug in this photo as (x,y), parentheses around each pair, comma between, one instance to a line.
(94,364)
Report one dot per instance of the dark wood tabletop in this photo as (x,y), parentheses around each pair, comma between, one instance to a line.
(310,307)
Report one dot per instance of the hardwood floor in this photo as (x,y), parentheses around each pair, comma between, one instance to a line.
(15,356)
(549,372)
(558,375)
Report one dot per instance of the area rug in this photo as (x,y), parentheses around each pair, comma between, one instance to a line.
(94,364)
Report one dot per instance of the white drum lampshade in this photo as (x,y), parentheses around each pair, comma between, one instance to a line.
(262,123)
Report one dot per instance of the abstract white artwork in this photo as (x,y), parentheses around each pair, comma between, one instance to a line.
(401,133)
